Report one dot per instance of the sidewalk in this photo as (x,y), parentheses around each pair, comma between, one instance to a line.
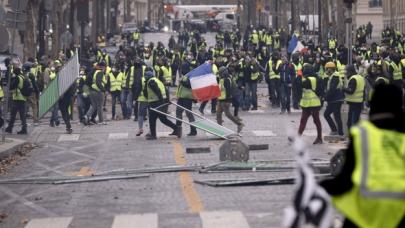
(10,146)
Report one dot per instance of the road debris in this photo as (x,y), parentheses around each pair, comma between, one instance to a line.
(252,182)
(258,146)
(198,150)
(14,160)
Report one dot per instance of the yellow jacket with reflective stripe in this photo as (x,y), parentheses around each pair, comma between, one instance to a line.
(272,74)
(94,85)
(309,97)
(167,74)
(116,81)
(377,198)
(152,97)
(358,95)
(17,95)
(141,96)
(397,73)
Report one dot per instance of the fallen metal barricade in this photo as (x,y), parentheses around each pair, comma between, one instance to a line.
(201,122)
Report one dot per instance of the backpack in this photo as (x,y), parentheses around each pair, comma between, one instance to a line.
(26,89)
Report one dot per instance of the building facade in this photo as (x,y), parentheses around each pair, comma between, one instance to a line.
(394,14)
(370,11)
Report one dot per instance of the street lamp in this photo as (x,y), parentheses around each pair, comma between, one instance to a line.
(349,35)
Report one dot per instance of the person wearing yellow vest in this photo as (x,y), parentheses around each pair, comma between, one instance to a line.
(334,97)
(115,81)
(273,79)
(332,42)
(185,99)
(310,102)
(218,62)
(136,36)
(254,39)
(18,101)
(97,90)
(138,77)
(354,95)
(155,93)
(252,75)
(165,72)
(369,189)
(296,83)
(225,99)
(142,102)
(396,69)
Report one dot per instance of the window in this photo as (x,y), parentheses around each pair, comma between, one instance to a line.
(375,3)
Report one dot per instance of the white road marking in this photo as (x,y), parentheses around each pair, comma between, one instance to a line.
(116,136)
(62,222)
(223,219)
(310,133)
(265,133)
(140,220)
(66,137)
(256,111)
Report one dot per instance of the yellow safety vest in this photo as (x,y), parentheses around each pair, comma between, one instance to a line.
(222,88)
(397,74)
(255,38)
(17,95)
(309,97)
(52,75)
(183,92)
(377,198)
(269,40)
(1,93)
(116,81)
(358,95)
(277,44)
(167,74)
(152,97)
(332,44)
(136,35)
(94,85)
(341,69)
(272,74)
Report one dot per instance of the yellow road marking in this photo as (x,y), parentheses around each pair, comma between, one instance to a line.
(84,171)
(194,202)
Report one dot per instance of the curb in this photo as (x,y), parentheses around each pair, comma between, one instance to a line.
(10,147)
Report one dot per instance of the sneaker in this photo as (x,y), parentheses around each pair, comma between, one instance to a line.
(318,141)
(103,123)
(69,131)
(150,137)
(57,123)
(51,124)
(193,133)
(240,127)
(139,133)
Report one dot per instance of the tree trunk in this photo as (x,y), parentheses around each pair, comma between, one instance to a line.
(57,26)
(341,26)
(324,19)
(30,36)
(295,16)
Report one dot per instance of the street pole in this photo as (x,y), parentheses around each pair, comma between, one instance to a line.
(320,22)
(349,37)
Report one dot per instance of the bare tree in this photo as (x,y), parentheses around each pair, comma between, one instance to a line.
(30,36)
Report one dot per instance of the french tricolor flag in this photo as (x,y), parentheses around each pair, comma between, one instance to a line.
(204,83)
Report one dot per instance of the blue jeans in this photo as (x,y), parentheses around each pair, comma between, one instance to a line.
(251,94)
(115,96)
(126,101)
(81,106)
(143,106)
(354,114)
(285,97)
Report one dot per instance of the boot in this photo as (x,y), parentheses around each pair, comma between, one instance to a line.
(22,132)
(9,130)
(318,141)
(150,137)
(193,132)
(140,132)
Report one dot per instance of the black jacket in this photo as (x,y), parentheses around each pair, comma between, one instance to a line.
(333,94)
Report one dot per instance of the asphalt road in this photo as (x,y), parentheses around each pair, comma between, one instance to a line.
(162,199)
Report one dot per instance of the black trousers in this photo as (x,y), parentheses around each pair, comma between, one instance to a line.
(188,104)
(335,109)
(213,105)
(20,107)
(153,116)
(64,104)
(274,92)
